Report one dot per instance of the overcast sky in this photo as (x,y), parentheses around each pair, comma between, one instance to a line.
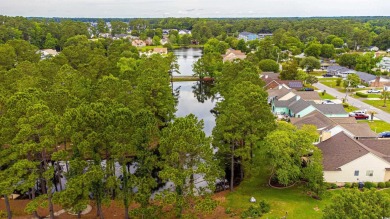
(194,8)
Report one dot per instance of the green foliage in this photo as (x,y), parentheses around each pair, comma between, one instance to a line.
(269,65)
(360,94)
(289,71)
(338,82)
(215,46)
(310,63)
(256,211)
(370,185)
(381,185)
(314,49)
(337,42)
(352,81)
(327,51)
(348,59)
(352,203)
(347,185)
(387,184)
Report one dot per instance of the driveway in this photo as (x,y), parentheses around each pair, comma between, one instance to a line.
(355,102)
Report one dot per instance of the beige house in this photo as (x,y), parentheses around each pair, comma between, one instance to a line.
(232,54)
(138,43)
(346,159)
(162,51)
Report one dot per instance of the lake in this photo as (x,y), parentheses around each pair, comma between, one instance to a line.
(185,58)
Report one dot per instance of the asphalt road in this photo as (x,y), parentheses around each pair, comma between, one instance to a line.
(382,115)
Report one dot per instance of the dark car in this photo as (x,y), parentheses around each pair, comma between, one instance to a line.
(307,89)
(327,75)
(359,115)
(384,134)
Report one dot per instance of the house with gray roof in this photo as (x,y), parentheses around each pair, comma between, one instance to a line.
(332,110)
(346,159)
(365,77)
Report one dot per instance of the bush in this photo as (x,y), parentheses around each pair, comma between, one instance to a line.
(354,185)
(347,185)
(360,94)
(228,210)
(387,184)
(333,186)
(338,82)
(370,185)
(256,211)
(381,185)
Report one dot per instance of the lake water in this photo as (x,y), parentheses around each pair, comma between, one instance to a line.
(185,58)
(196,99)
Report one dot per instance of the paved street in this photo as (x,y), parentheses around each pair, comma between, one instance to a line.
(355,102)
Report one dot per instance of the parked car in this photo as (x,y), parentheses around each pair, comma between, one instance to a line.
(373,91)
(384,134)
(307,89)
(327,75)
(360,111)
(361,86)
(328,102)
(359,115)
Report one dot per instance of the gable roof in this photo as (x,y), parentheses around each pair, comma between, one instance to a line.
(276,92)
(284,103)
(295,84)
(365,76)
(381,146)
(344,120)
(298,105)
(331,108)
(340,150)
(315,118)
(360,130)
(308,95)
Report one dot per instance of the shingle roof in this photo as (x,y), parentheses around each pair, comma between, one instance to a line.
(298,106)
(381,146)
(284,103)
(365,76)
(344,120)
(293,83)
(331,108)
(308,95)
(340,150)
(360,130)
(315,118)
(276,92)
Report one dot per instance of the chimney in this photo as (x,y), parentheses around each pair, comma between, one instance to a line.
(325,135)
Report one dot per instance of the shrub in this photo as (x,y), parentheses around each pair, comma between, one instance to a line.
(354,185)
(387,184)
(347,185)
(256,211)
(338,82)
(360,94)
(228,210)
(381,185)
(370,185)
(333,186)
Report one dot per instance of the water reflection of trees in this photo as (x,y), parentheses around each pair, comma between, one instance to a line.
(203,91)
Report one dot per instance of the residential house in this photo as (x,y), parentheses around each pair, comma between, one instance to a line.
(293,84)
(346,159)
(47,53)
(366,78)
(232,54)
(138,43)
(384,64)
(183,32)
(161,51)
(247,36)
(332,110)
(340,71)
(380,82)
(121,36)
(149,41)
(279,91)
(373,49)
(164,41)
(264,35)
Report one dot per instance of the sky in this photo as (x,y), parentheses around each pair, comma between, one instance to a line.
(193,8)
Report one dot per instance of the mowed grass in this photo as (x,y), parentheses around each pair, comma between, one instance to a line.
(295,201)
(377,125)
(379,104)
(350,108)
(330,82)
(326,96)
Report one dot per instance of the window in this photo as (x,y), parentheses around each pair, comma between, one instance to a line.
(370,173)
(356,172)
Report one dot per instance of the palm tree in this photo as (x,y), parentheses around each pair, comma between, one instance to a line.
(385,95)
(372,113)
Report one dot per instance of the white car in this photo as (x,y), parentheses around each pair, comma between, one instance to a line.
(328,102)
(361,86)
(373,91)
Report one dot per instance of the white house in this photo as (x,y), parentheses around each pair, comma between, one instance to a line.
(349,160)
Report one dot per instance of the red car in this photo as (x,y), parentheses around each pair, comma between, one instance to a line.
(359,115)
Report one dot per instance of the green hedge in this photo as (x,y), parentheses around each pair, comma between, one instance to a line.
(360,94)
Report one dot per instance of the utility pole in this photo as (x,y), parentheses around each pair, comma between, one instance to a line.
(346,91)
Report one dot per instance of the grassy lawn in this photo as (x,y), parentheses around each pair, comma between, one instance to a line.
(369,96)
(350,108)
(330,82)
(379,104)
(377,126)
(293,200)
(326,96)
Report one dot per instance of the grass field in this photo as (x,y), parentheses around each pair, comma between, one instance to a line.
(379,104)
(326,96)
(377,126)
